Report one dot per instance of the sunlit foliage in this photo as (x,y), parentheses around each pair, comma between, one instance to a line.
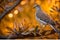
(24,16)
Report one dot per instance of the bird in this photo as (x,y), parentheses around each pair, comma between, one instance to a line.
(43,18)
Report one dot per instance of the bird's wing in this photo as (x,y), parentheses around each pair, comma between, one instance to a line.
(40,21)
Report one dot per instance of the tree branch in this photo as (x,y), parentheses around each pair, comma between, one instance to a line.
(9,9)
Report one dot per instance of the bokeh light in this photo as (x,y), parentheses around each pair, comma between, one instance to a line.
(16,12)
(10,15)
(23,2)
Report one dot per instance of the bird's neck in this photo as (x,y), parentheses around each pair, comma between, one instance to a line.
(37,9)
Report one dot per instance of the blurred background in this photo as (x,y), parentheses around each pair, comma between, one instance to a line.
(22,17)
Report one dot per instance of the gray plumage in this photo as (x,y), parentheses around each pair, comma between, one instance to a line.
(43,18)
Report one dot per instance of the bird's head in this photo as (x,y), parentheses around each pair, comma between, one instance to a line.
(36,6)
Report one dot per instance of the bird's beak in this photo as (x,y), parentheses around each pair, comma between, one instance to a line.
(33,6)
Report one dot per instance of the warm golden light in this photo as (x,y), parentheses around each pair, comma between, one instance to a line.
(22,19)
(23,2)
(44,26)
(10,15)
(51,9)
(16,12)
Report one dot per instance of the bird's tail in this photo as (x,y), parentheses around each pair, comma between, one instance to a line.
(55,29)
